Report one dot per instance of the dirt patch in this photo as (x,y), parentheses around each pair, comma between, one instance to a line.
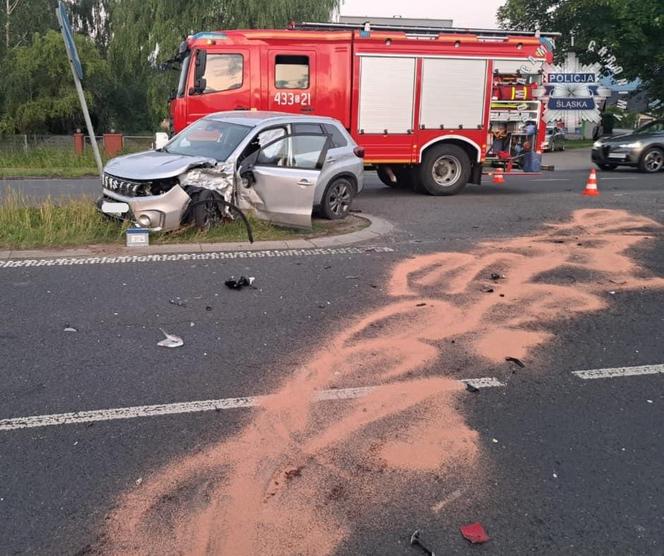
(298,477)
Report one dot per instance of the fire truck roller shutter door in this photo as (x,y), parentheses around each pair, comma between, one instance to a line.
(387,91)
(453,93)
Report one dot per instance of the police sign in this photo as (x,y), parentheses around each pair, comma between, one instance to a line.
(571,92)
(571,77)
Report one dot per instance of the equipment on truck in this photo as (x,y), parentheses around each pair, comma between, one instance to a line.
(423,102)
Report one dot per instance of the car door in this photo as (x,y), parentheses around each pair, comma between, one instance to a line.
(283,175)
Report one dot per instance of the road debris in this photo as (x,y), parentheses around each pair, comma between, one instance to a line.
(496,276)
(472,388)
(177,301)
(171,340)
(516,361)
(488,290)
(475,533)
(69,328)
(421,305)
(242,282)
(436,508)
(415,540)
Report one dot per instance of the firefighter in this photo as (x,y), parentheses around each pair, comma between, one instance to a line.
(499,138)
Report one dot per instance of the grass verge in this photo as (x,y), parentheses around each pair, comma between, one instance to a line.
(76,223)
(48,162)
(48,172)
(578,143)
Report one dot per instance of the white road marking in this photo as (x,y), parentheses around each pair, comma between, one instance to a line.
(618,372)
(16,423)
(175,257)
(607,179)
(189,407)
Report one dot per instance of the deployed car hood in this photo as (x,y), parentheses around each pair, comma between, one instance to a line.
(154,165)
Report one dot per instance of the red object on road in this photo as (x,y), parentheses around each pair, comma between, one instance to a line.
(475,533)
(591,185)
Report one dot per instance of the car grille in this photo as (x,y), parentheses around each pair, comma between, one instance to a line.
(126,187)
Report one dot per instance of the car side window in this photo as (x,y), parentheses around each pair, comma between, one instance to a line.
(262,138)
(299,151)
(307,128)
(338,139)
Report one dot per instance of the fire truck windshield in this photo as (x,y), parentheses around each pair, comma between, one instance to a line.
(210,138)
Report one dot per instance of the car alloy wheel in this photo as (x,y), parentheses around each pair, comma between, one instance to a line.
(338,199)
(653,160)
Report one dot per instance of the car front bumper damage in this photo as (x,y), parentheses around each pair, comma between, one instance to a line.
(165,212)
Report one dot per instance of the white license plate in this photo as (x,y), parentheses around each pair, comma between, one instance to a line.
(616,155)
(114,208)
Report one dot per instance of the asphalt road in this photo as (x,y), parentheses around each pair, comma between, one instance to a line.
(548,463)
(578,159)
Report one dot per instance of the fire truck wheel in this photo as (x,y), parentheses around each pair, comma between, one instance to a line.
(337,199)
(445,170)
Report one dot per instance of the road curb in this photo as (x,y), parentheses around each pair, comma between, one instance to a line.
(378,227)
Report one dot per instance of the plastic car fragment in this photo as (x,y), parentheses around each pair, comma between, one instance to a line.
(474,533)
(171,340)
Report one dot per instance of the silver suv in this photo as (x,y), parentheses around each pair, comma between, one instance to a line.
(281,166)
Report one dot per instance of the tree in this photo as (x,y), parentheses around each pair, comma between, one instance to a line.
(38,94)
(141,28)
(631,30)
(21,18)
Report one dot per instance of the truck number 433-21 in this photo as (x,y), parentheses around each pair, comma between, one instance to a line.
(291,99)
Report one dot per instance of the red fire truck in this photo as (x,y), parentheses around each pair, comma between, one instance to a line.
(429,106)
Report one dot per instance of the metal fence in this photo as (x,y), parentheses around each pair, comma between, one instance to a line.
(29,142)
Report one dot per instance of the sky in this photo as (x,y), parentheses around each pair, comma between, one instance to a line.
(465,13)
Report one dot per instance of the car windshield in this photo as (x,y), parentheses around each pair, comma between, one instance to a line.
(211,138)
(652,127)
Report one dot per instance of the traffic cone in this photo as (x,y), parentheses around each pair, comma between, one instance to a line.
(591,185)
(498,176)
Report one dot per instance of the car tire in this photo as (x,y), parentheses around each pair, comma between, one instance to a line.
(338,198)
(652,160)
(384,177)
(445,170)
(607,167)
(206,212)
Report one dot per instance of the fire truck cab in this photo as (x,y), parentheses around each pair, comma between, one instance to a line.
(429,106)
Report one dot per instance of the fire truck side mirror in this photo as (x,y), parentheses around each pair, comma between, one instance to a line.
(199,71)
(199,87)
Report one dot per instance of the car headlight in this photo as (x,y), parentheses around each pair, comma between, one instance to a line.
(597,144)
(635,145)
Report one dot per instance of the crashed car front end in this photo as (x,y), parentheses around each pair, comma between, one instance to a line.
(163,204)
